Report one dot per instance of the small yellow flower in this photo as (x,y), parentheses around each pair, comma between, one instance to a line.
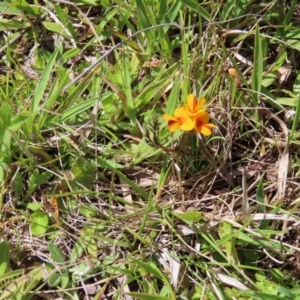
(180,120)
(201,123)
(193,105)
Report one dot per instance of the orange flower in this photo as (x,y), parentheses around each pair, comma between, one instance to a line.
(201,123)
(193,106)
(181,120)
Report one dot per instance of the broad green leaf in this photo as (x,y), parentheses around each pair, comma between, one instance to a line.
(39,223)
(57,28)
(56,254)
(34,206)
(64,280)
(54,279)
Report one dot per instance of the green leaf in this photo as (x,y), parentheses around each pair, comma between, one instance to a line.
(35,277)
(190,216)
(197,8)
(9,9)
(296,87)
(296,118)
(133,185)
(260,196)
(84,173)
(10,24)
(27,8)
(147,296)
(43,177)
(34,206)
(288,16)
(42,84)
(57,28)
(54,279)
(39,223)
(78,108)
(64,280)
(71,53)
(150,268)
(56,254)
(15,289)
(88,210)
(65,20)
(4,257)
(6,112)
(143,14)
(173,97)
(257,68)
(80,245)
(129,107)
(18,121)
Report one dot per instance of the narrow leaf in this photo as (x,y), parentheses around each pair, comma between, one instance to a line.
(42,84)
(4,257)
(258,68)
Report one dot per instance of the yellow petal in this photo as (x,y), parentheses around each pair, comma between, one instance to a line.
(180,112)
(200,104)
(169,117)
(211,125)
(186,108)
(190,102)
(174,126)
(205,130)
(187,125)
(202,117)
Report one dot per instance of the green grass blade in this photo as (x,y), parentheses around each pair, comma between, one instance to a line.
(4,257)
(42,84)
(257,69)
